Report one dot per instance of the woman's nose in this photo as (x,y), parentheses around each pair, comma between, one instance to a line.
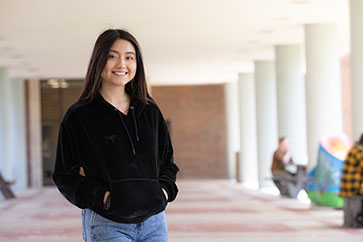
(121,63)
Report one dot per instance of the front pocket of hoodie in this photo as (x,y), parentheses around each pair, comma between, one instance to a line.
(135,198)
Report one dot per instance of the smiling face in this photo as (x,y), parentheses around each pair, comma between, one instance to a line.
(121,64)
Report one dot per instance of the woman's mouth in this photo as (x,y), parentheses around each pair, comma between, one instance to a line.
(120,73)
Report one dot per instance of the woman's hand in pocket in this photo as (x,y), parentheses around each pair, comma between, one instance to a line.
(165,193)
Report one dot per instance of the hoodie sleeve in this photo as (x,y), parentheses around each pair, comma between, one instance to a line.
(168,169)
(77,189)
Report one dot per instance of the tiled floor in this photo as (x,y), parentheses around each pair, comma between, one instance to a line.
(204,211)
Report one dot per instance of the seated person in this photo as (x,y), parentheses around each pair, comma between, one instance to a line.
(289,184)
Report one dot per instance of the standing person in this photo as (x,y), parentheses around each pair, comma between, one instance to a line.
(351,185)
(114,157)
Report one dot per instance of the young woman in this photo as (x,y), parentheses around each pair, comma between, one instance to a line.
(114,157)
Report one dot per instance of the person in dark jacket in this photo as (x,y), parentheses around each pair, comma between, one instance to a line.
(114,156)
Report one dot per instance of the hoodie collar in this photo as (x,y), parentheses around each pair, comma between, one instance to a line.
(135,104)
(136,108)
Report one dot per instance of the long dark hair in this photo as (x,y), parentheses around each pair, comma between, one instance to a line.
(92,84)
(361,140)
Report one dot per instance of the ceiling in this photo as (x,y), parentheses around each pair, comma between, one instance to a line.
(183,41)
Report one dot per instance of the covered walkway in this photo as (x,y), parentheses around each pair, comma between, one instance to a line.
(204,211)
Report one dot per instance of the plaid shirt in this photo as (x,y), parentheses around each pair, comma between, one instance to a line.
(351,181)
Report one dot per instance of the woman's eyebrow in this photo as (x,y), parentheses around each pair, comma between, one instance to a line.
(130,52)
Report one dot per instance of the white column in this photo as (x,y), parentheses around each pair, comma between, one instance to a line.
(291,99)
(267,138)
(248,136)
(323,85)
(5,158)
(356,63)
(35,134)
(232,120)
(12,130)
(17,138)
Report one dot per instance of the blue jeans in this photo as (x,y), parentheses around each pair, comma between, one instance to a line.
(97,228)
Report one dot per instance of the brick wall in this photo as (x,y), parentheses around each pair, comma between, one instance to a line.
(197,125)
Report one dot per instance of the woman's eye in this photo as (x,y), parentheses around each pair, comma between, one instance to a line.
(130,58)
(112,57)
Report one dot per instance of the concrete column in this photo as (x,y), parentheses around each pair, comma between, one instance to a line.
(5,158)
(323,85)
(291,99)
(356,64)
(248,136)
(35,134)
(17,138)
(12,130)
(266,107)
(232,120)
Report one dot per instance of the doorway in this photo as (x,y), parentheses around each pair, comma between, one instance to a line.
(56,96)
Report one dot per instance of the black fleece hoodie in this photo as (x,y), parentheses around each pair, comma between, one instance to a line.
(129,155)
